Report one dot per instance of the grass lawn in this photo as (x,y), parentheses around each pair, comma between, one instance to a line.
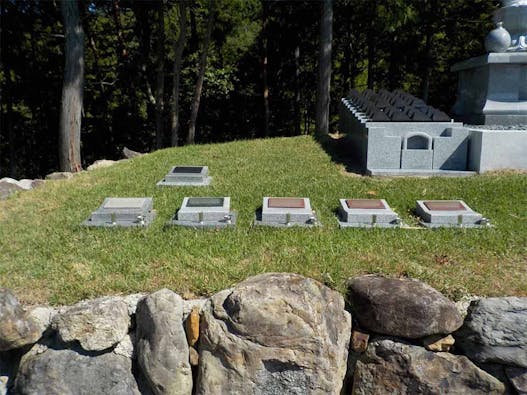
(45,256)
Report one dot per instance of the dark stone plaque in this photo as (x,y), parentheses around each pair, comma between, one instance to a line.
(286,203)
(371,204)
(205,202)
(444,205)
(188,169)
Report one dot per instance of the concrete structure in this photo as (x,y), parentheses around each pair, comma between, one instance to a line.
(492,88)
(285,212)
(367,213)
(205,212)
(497,149)
(406,147)
(124,212)
(448,213)
(187,176)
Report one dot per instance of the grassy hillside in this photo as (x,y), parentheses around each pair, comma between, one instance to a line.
(46,256)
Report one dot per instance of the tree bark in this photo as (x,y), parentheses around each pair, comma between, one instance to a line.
(180,46)
(191,137)
(298,118)
(265,79)
(427,66)
(324,69)
(72,89)
(160,75)
(123,51)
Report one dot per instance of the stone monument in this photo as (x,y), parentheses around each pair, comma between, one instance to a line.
(492,88)
(492,94)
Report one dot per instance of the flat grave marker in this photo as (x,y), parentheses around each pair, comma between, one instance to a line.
(186,176)
(285,212)
(367,213)
(448,213)
(205,212)
(124,212)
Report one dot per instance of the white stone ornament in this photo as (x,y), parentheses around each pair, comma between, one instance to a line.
(498,40)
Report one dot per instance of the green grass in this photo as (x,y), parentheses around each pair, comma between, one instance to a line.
(45,256)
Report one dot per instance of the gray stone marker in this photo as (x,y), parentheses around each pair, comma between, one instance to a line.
(286,212)
(448,213)
(186,175)
(205,212)
(125,212)
(367,213)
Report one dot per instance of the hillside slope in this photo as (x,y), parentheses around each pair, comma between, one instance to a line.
(45,256)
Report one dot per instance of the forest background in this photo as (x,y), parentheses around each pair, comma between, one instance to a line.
(257,62)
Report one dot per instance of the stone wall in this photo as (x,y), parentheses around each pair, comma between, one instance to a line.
(271,334)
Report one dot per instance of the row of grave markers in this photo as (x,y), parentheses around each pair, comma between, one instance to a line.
(216,212)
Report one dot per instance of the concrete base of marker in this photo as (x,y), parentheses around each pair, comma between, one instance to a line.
(385,225)
(460,226)
(314,224)
(147,220)
(205,182)
(205,224)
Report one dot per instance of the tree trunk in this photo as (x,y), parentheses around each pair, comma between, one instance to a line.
(265,79)
(298,118)
(324,69)
(180,46)
(427,66)
(123,51)
(72,89)
(160,75)
(201,76)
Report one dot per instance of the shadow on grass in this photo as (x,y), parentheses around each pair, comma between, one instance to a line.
(338,148)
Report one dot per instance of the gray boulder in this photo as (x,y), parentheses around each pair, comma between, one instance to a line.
(9,186)
(518,379)
(162,349)
(68,372)
(17,328)
(390,367)
(402,307)
(274,334)
(101,164)
(59,175)
(96,324)
(495,330)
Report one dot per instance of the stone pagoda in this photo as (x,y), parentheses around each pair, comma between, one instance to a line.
(493,88)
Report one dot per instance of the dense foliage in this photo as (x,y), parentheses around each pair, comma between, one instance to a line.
(391,44)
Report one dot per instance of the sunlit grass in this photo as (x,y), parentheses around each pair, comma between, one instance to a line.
(45,256)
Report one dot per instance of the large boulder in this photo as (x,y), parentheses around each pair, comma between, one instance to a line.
(495,330)
(390,367)
(518,379)
(274,334)
(101,164)
(17,327)
(96,324)
(68,372)
(59,175)
(162,349)
(402,307)
(8,186)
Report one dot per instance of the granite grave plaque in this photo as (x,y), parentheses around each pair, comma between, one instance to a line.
(186,175)
(205,212)
(448,213)
(124,212)
(367,213)
(285,212)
